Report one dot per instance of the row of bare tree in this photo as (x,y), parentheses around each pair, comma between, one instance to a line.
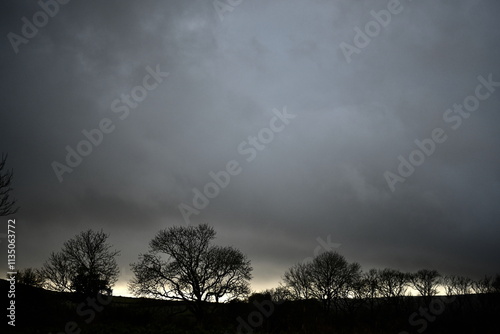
(182,264)
(329,278)
(85,265)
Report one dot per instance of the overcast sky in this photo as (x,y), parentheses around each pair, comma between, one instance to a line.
(352,96)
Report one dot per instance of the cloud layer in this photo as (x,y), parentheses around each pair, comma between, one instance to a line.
(323,174)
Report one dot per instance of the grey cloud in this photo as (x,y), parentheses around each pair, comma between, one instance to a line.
(322,175)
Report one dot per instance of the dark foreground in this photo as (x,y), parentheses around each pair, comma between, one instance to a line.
(41,311)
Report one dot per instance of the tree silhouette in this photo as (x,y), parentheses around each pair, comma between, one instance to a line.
(483,285)
(368,288)
(280,294)
(85,265)
(484,288)
(30,276)
(298,280)
(6,202)
(425,282)
(89,283)
(57,272)
(194,271)
(393,284)
(328,278)
(457,285)
(372,283)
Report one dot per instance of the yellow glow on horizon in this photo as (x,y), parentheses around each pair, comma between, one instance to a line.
(121,288)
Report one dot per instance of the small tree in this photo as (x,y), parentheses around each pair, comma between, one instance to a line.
(298,280)
(57,272)
(393,283)
(85,265)
(193,270)
(31,277)
(484,288)
(426,283)
(6,202)
(457,285)
(89,282)
(483,285)
(260,296)
(332,278)
(280,294)
(367,288)
(372,282)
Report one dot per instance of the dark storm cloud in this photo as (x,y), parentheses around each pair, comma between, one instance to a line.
(323,174)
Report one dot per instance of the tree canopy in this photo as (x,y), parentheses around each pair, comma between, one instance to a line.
(182,264)
(86,265)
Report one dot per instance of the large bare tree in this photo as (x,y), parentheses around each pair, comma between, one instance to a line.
(86,265)
(7,203)
(182,264)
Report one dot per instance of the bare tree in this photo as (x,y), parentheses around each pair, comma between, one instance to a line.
(483,285)
(328,278)
(193,271)
(30,276)
(86,265)
(392,283)
(280,294)
(426,283)
(57,272)
(332,278)
(6,202)
(367,288)
(372,282)
(298,280)
(484,288)
(457,285)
